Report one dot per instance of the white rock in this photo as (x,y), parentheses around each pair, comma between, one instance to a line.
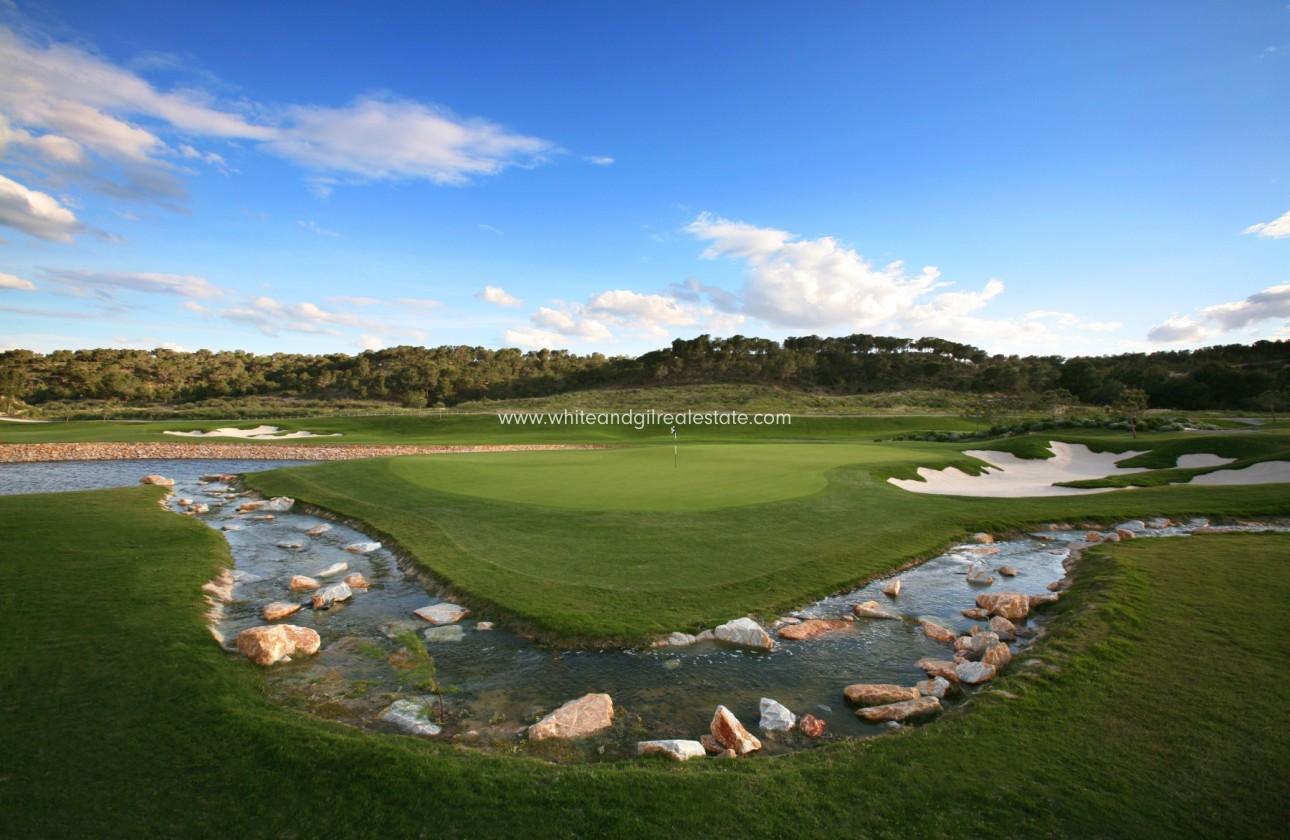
(443,613)
(775,717)
(333,569)
(680,639)
(746,632)
(483,625)
(278,504)
(325,598)
(935,687)
(675,750)
(362,547)
(321,528)
(410,716)
(978,573)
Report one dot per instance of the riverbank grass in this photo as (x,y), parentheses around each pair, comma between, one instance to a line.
(1149,710)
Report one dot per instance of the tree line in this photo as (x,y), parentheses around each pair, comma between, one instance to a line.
(1234,376)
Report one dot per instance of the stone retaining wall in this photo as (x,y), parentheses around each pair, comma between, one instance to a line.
(15,453)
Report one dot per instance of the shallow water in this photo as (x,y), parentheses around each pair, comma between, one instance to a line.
(64,476)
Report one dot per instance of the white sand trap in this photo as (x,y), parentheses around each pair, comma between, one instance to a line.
(1187,462)
(9,419)
(258,433)
(1268,472)
(1012,477)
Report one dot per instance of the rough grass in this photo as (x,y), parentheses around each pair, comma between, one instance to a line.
(1155,714)
(620,554)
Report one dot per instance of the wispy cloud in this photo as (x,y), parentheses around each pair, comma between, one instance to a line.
(108,285)
(79,118)
(310,224)
(1278,228)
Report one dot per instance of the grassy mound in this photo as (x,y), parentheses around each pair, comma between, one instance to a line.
(591,547)
(1149,714)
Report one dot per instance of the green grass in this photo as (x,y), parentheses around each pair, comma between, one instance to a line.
(1156,714)
(478,429)
(613,546)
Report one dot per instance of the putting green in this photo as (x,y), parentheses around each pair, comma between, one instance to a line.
(699,477)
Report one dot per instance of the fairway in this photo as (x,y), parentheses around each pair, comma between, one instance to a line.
(697,477)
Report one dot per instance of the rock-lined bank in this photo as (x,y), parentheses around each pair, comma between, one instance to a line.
(25,453)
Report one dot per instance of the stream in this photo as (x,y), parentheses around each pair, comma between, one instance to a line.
(494,683)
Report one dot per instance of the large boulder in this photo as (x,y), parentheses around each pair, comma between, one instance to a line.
(333,569)
(1008,571)
(443,613)
(575,719)
(974,672)
(362,547)
(1003,628)
(1010,605)
(324,598)
(936,632)
(411,717)
(674,749)
(892,588)
(745,632)
(303,582)
(983,641)
(878,694)
(356,581)
(900,711)
(813,627)
(979,574)
(775,717)
(731,734)
(871,609)
(268,644)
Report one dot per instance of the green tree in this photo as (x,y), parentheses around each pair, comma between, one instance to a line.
(1131,405)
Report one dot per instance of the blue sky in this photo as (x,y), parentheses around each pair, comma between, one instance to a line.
(1053,178)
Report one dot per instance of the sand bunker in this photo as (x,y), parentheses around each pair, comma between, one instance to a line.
(1268,472)
(1012,477)
(258,433)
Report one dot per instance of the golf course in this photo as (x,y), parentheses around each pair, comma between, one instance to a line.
(1133,715)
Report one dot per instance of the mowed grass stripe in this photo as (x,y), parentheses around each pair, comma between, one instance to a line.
(1153,715)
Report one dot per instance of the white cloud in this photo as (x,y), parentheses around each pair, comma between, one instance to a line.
(821,285)
(498,296)
(813,284)
(533,338)
(647,313)
(1270,304)
(346,300)
(599,160)
(35,213)
(1278,228)
(371,342)
(10,281)
(107,284)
